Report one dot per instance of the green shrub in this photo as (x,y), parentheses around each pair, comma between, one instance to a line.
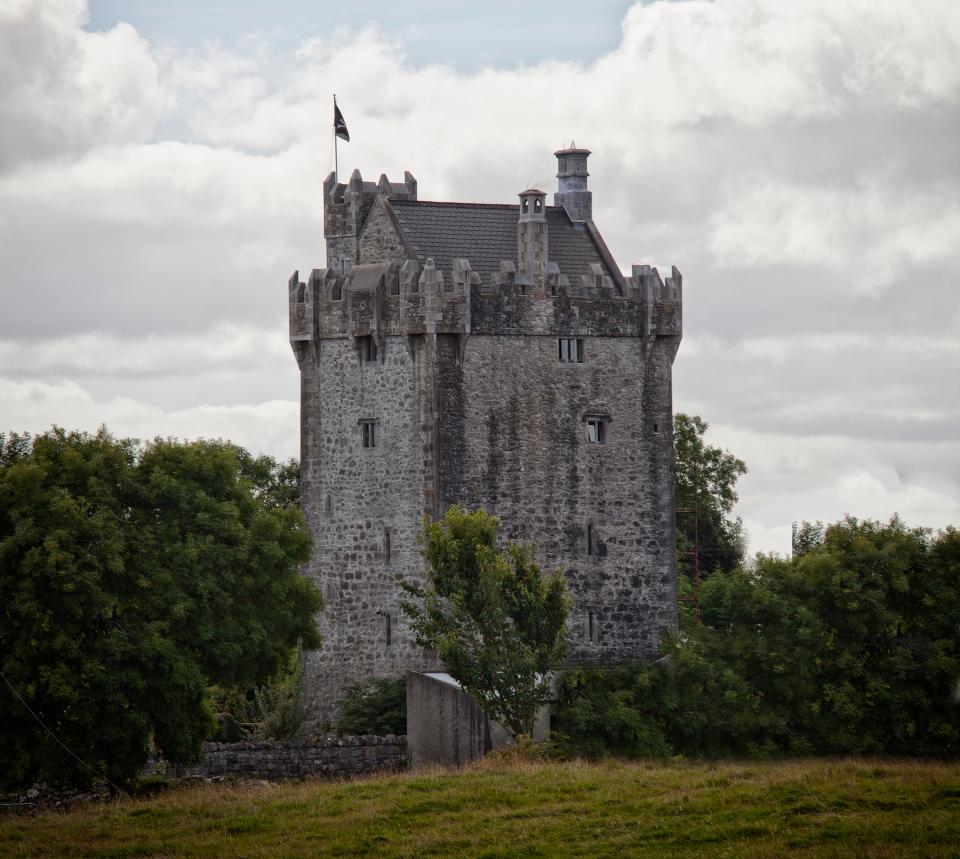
(271,711)
(609,711)
(377,706)
(851,647)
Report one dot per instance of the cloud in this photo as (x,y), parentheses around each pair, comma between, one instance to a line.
(794,478)
(225,350)
(169,235)
(795,160)
(66,90)
(888,231)
(268,427)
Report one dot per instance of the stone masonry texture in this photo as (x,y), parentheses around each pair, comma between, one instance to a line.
(318,757)
(426,386)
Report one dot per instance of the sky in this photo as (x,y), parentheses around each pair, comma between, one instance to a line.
(161,169)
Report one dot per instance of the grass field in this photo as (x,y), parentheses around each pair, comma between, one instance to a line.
(507,808)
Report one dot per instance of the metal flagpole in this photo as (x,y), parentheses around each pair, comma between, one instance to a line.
(336,159)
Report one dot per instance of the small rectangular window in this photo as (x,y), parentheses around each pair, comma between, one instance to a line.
(597,430)
(368,350)
(386,545)
(571,350)
(368,433)
(590,546)
(387,629)
(591,631)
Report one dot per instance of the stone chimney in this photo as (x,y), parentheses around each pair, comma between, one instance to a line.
(532,231)
(572,192)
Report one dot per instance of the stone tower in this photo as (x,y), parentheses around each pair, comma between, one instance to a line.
(490,356)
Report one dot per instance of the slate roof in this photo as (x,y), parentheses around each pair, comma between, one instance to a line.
(486,233)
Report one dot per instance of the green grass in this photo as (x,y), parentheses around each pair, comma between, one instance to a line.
(504,808)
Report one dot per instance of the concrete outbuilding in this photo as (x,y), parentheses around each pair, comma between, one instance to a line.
(446,726)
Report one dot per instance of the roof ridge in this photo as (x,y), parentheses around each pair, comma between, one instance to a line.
(441,203)
(456,203)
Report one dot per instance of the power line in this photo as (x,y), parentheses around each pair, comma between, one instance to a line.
(26,706)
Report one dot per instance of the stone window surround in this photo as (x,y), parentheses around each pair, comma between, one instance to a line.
(598,429)
(367,349)
(570,350)
(368,432)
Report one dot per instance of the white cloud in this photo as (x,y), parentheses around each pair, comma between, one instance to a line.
(224,350)
(66,90)
(268,427)
(887,230)
(793,478)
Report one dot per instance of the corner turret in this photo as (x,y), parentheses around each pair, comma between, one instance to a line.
(346,207)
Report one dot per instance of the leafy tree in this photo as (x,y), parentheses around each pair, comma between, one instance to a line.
(274,484)
(609,711)
(706,476)
(852,647)
(271,710)
(806,536)
(131,579)
(377,706)
(493,617)
(13,447)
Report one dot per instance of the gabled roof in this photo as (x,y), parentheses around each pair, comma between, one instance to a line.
(486,233)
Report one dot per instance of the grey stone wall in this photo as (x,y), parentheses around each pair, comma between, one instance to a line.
(380,241)
(513,441)
(327,757)
(353,499)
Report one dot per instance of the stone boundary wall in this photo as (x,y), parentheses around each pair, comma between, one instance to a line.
(321,757)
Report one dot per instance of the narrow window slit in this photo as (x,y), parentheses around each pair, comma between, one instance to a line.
(368,349)
(368,433)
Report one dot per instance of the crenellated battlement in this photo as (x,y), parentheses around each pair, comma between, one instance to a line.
(346,207)
(391,298)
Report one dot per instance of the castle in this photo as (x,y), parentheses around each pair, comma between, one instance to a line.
(489,356)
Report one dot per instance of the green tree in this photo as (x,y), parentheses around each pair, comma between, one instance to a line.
(852,647)
(374,706)
(706,476)
(274,484)
(493,617)
(131,579)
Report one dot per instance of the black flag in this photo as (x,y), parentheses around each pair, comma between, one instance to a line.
(339,125)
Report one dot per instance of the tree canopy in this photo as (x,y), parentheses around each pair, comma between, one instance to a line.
(131,578)
(706,476)
(852,647)
(494,618)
